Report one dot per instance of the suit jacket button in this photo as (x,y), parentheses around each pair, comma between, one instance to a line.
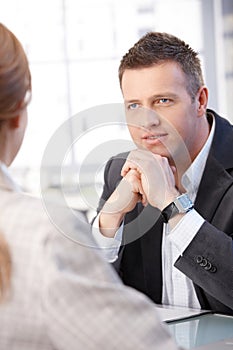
(199,259)
(213,269)
(208,266)
(204,262)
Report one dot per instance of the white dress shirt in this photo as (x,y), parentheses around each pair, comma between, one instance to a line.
(177,288)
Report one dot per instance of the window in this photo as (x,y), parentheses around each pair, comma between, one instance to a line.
(74,48)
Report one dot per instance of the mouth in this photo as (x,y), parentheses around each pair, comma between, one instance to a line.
(153,137)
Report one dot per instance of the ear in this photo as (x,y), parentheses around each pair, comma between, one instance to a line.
(15,122)
(202,99)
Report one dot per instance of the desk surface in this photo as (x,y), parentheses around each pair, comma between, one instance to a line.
(226,344)
(169,313)
(204,331)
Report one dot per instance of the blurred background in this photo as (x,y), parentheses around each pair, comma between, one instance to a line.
(74,49)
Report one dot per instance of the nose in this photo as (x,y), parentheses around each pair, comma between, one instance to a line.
(143,117)
(148,118)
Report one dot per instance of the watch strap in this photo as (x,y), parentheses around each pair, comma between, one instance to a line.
(170,211)
(181,204)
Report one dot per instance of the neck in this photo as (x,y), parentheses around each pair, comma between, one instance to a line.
(185,161)
(5,154)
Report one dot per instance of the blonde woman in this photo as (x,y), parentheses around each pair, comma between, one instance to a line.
(58,294)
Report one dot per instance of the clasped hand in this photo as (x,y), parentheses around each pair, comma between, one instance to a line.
(147,178)
(150,178)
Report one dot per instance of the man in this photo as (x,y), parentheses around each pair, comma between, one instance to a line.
(56,292)
(173,195)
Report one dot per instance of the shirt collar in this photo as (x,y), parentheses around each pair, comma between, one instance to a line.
(6,181)
(192,177)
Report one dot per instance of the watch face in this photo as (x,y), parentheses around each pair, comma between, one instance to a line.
(184,203)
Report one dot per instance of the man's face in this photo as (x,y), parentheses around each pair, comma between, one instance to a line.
(160,114)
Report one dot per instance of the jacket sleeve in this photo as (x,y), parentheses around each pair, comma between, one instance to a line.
(112,177)
(208,261)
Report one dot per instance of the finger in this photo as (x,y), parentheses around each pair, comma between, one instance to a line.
(132,173)
(141,192)
(124,171)
(173,168)
(144,201)
(127,167)
(134,179)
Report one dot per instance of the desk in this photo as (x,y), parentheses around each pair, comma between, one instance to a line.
(200,330)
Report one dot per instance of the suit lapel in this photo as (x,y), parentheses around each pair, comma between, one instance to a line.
(213,186)
(216,179)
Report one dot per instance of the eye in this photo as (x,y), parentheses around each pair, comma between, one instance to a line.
(163,100)
(133,106)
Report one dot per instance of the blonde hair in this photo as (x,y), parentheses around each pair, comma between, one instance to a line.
(15,86)
(5,268)
(15,77)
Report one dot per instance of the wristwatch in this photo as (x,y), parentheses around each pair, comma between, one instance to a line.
(181,204)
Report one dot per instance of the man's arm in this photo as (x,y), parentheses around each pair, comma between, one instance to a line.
(208,261)
(109,246)
(120,196)
(206,257)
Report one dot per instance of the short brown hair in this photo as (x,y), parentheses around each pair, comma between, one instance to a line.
(15,77)
(155,48)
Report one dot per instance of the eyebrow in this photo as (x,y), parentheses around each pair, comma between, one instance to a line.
(131,101)
(157,96)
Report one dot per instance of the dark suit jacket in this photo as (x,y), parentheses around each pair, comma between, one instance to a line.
(208,260)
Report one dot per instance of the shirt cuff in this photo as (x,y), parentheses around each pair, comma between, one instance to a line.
(109,246)
(186,229)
